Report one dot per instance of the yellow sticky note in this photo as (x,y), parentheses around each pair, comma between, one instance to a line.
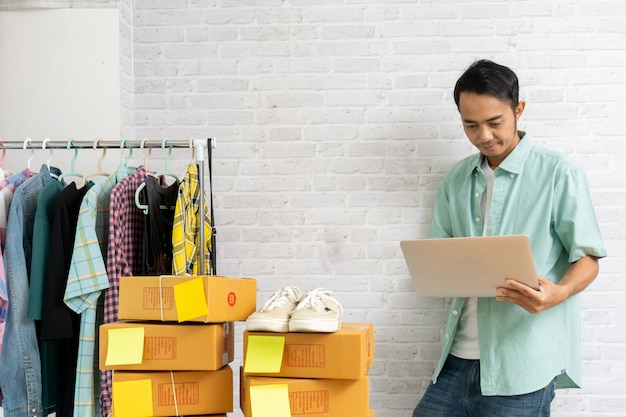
(190,300)
(270,400)
(132,398)
(264,354)
(125,346)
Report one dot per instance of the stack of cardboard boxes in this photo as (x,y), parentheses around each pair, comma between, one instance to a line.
(171,349)
(311,374)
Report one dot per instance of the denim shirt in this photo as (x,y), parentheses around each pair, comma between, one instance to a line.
(20,367)
(545,195)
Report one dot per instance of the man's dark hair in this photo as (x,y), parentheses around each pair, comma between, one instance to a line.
(487,77)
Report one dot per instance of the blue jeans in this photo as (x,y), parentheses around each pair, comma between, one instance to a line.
(457,394)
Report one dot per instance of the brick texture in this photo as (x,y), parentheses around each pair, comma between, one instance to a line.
(335,123)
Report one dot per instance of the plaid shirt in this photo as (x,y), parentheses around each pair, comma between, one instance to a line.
(185,231)
(86,280)
(126,226)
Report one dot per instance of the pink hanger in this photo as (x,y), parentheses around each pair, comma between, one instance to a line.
(4,153)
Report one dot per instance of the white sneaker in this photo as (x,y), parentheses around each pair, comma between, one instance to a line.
(275,314)
(317,311)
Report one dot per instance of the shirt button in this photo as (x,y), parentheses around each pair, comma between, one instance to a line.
(511,175)
(455,312)
(477,219)
(447,336)
(477,195)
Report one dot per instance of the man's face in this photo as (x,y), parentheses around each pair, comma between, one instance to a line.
(490,124)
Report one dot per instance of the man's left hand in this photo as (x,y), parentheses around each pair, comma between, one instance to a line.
(533,300)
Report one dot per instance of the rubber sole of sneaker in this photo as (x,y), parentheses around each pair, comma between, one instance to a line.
(311,326)
(265,325)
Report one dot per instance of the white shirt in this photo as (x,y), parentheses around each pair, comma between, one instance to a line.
(466,344)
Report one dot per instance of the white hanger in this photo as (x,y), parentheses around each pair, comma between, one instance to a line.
(43,147)
(32,152)
(99,172)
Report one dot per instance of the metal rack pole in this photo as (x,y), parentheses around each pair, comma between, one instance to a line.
(199,153)
(97,143)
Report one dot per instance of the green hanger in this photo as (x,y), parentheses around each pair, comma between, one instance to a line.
(72,173)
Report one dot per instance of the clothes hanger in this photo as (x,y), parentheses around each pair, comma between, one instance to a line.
(72,173)
(167,172)
(141,186)
(100,172)
(43,147)
(4,153)
(193,151)
(140,206)
(130,153)
(49,160)
(32,152)
(148,155)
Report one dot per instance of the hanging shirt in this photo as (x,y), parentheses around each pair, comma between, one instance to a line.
(46,204)
(7,187)
(86,280)
(59,322)
(126,226)
(186,230)
(4,303)
(48,350)
(20,367)
(157,236)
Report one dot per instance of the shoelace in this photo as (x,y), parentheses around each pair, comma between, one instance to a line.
(280,297)
(314,299)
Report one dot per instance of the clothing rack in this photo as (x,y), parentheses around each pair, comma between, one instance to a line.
(198,146)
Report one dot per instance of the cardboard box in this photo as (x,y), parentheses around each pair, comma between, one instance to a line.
(153,298)
(173,393)
(314,397)
(345,354)
(370,339)
(175,347)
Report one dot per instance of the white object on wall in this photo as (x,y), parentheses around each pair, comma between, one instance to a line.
(59,79)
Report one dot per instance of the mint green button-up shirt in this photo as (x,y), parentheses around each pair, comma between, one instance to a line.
(545,195)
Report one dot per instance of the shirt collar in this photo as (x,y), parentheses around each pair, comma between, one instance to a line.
(513,162)
(49,172)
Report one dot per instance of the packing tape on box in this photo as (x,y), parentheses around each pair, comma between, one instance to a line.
(174,392)
(161,300)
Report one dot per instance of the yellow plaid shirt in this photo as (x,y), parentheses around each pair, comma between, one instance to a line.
(186,231)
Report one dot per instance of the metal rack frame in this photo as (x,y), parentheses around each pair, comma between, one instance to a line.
(198,146)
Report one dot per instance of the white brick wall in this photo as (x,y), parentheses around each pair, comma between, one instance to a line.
(335,123)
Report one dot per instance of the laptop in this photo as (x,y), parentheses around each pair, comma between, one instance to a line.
(468,266)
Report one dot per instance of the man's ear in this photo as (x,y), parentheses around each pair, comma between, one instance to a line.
(519,109)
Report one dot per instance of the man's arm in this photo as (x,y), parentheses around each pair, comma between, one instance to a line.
(577,277)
